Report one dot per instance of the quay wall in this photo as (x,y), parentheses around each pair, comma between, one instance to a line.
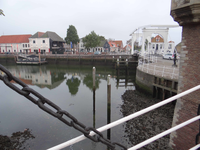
(157,86)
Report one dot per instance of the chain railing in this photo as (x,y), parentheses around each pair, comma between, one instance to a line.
(57,112)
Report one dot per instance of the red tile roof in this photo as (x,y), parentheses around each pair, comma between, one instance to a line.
(119,43)
(112,44)
(160,39)
(15,38)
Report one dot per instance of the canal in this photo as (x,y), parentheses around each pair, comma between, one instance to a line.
(71,88)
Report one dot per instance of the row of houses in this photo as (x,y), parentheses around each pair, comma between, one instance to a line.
(39,42)
(50,42)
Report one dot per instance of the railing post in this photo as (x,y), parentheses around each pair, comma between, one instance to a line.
(154,69)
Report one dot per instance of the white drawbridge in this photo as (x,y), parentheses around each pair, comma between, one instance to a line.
(147,32)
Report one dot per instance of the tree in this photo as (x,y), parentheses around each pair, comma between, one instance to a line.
(72,35)
(91,40)
(1,12)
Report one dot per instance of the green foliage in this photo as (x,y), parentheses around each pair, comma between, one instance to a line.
(1,12)
(102,38)
(91,40)
(72,35)
(88,81)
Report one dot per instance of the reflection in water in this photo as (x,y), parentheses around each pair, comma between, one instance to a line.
(88,81)
(73,85)
(16,141)
(90,107)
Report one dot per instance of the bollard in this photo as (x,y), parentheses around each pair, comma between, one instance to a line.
(119,58)
(108,105)
(93,75)
(126,62)
(108,89)
(118,62)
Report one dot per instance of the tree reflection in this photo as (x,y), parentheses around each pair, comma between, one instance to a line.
(17,141)
(88,81)
(73,85)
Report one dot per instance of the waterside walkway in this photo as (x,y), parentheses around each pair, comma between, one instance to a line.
(161,68)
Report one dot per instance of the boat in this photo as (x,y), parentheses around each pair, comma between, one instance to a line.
(30,59)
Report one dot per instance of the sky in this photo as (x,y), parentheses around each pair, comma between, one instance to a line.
(115,19)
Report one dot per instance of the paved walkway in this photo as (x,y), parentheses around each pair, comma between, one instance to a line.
(161,68)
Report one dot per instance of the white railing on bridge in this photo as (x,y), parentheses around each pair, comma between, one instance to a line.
(149,64)
(134,115)
(162,71)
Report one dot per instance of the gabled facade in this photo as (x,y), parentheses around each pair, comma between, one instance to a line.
(127,48)
(157,45)
(119,45)
(106,46)
(113,46)
(14,43)
(46,42)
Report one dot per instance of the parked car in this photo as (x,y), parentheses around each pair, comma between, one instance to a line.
(168,56)
(97,53)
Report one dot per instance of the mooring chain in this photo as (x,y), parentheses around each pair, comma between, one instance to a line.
(26,91)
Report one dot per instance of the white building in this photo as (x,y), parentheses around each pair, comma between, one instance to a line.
(46,42)
(14,43)
(157,46)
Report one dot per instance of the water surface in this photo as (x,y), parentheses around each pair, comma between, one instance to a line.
(71,88)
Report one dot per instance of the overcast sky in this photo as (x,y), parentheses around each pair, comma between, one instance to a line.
(115,19)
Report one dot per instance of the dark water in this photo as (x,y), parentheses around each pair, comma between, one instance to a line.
(71,88)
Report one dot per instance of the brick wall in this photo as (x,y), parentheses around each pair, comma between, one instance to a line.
(189,72)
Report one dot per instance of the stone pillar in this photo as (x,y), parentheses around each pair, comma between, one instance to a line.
(187,14)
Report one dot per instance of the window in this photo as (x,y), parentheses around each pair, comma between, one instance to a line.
(36,80)
(28,45)
(45,81)
(43,41)
(23,45)
(14,50)
(33,41)
(160,46)
(157,39)
(170,46)
(153,46)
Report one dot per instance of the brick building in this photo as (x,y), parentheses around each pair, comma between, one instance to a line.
(186,13)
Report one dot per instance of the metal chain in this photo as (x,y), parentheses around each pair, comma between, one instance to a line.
(58,112)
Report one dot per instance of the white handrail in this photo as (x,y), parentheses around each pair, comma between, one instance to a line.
(115,123)
(195,147)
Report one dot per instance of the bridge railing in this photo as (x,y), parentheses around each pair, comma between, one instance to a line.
(134,115)
(162,71)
